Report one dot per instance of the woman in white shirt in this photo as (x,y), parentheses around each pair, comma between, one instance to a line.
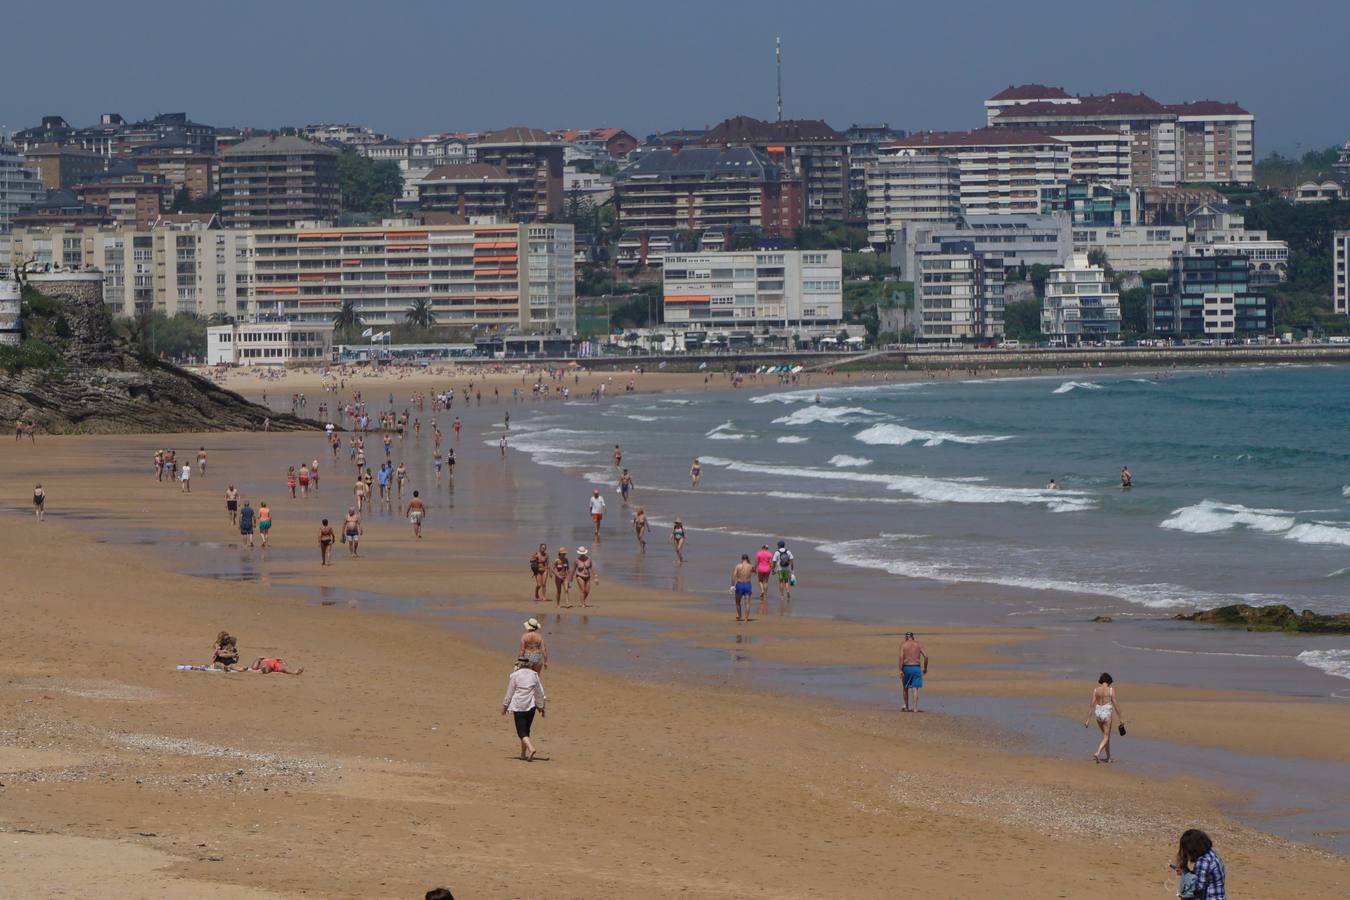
(524,696)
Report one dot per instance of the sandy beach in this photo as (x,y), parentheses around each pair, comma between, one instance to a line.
(387,769)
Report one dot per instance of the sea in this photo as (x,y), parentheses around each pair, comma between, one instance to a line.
(930,501)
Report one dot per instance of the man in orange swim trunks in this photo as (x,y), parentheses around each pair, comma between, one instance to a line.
(268,665)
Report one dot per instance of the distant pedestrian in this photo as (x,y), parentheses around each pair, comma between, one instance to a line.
(913,666)
(39,503)
(246,516)
(1104,708)
(524,697)
(326,538)
(185,476)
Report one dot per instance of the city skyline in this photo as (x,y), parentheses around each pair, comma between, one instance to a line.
(421,68)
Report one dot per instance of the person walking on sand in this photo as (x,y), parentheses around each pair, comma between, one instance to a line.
(677,537)
(264,521)
(695,473)
(539,563)
(763,569)
(913,666)
(785,564)
(246,523)
(1201,870)
(232,504)
(740,585)
(618,457)
(582,573)
(597,504)
(417,511)
(290,480)
(351,530)
(625,485)
(524,696)
(1103,708)
(562,578)
(532,646)
(185,476)
(201,461)
(326,538)
(641,527)
(40,503)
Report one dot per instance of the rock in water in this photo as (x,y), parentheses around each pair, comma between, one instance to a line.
(1275,617)
(91,383)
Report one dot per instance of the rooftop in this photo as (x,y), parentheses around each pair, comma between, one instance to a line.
(518,134)
(272,145)
(1031,92)
(980,137)
(1114,104)
(1207,108)
(468,172)
(747,130)
(705,161)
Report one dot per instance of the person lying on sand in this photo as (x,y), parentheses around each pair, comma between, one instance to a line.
(268,665)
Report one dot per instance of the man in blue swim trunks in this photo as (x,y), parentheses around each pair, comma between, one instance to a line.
(741,577)
(913,666)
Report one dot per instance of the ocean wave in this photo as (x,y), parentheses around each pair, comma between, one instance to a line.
(1333,662)
(935,490)
(724,432)
(1210,516)
(1077,385)
(1345,491)
(844,461)
(808,415)
(793,439)
(636,418)
(1319,533)
(807,395)
(900,435)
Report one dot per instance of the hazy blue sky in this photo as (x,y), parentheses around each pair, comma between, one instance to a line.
(414,66)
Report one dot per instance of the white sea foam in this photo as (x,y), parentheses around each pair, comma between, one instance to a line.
(1210,516)
(900,435)
(793,439)
(1319,533)
(808,395)
(1345,491)
(808,415)
(637,418)
(1076,385)
(1333,662)
(844,461)
(935,490)
(725,432)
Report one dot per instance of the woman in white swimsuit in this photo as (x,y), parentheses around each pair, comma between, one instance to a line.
(1105,707)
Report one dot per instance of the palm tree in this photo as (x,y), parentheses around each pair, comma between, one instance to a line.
(347,319)
(420,314)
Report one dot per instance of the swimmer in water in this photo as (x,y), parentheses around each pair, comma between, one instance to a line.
(1052,486)
(1126,481)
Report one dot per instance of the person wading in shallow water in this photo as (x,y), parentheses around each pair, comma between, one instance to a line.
(913,666)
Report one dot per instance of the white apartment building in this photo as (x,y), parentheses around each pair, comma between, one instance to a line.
(1224,228)
(1002,169)
(1132,248)
(907,190)
(754,289)
(517,277)
(416,157)
(268,343)
(958,293)
(1340,262)
(11,311)
(1080,303)
(19,187)
(182,264)
(1016,240)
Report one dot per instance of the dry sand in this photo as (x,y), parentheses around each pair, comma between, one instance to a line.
(387,769)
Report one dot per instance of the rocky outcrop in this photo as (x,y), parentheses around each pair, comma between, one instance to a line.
(92,384)
(1276,617)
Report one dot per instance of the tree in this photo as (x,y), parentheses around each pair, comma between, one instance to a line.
(1134,310)
(1022,320)
(368,186)
(420,314)
(347,320)
(1037,275)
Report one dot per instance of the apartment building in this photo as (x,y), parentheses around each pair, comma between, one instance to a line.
(275,182)
(63,166)
(1132,248)
(418,157)
(131,196)
(20,186)
(905,190)
(958,293)
(754,289)
(470,191)
(1208,295)
(700,188)
(343,134)
(808,151)
(1002,169)
(1016,240)
(11,311)
(1183,143)
(181,164)
(264,343)
(1080,303)
(535,159)
(502,277)
(864,148)
(598,143)
(58,207)
(1091,203)
(181,264)
(1340,244)
(1223,228)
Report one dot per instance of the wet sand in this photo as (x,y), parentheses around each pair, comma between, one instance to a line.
(386,768)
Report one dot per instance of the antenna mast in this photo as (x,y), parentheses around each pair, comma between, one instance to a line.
(778,61)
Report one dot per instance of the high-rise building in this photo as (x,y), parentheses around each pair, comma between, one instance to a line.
(1080,303)
(864,147)
(958,293)
(1183,143)
(1340,263)
(1002,169)
(510,277)
(701,188)
(129,194)
(910,190)
(809,151)
(535,159)
(470,191)
(276,182)
(180,163)
(1092,203)
(20,186)
(754,289)
(1208,295)
(1018,240)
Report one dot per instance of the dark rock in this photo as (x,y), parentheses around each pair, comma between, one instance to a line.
(1102,619)
(1275,617)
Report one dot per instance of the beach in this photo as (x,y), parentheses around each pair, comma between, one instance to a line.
(387,769)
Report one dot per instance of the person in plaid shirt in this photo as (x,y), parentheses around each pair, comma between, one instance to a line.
(1196,849)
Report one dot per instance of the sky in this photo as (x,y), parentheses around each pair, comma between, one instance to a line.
(408,67)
